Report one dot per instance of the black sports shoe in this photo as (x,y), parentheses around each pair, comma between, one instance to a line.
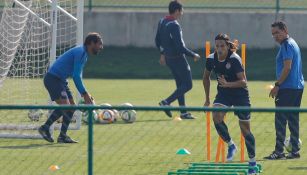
(66,139)
(293,156)
(276,156)
(167,112)
(44,132)
(187,116)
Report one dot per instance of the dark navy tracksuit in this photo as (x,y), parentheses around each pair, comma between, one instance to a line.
(229,69)
(170,43)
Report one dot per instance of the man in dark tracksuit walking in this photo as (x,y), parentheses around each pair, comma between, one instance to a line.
(287,92)
(173,51)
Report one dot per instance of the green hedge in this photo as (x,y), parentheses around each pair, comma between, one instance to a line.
(142,63)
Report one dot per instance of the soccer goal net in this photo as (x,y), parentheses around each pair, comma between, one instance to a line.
(32,34)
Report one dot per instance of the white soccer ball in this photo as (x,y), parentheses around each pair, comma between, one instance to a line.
(124,104)
(106,104)
(128,116)
(35,114)
(86,114)
(116,115)
(288,145)
(105,116)
(75,116)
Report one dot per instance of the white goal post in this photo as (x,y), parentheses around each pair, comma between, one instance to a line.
(33,33)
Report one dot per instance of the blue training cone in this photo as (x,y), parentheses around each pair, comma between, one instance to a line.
(183,151)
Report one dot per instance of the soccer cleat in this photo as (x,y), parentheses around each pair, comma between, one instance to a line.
(276,156)
(167,112)
(252,168)
(232,149)
(66,139)
(187,116)
(44,132)
(293,156)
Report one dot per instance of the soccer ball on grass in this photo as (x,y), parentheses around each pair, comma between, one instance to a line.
(128,116)
(35,114)
(288,145)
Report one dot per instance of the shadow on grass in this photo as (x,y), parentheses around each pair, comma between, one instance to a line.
(31,146)
(159,120)
(245,162)
(124,123)
(143,121)
(298,168)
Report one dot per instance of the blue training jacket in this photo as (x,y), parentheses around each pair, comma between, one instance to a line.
(169,39)
(289,50)
(71,64)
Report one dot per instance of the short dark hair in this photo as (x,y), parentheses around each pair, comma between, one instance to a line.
(173,6)
(92,37)
(280,24)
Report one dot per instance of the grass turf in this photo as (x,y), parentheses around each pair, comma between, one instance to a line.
(147,146)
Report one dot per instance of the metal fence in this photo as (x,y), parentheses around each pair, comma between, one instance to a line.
(255,5)
(275,5)
(153,144)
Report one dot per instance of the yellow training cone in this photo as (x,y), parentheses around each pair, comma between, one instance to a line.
(54,167)
(269,87)
(177,119)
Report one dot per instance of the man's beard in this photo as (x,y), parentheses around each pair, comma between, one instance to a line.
(95,52)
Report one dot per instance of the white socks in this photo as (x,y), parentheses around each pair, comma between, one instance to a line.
(230,143)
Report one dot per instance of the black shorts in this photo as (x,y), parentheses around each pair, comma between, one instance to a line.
(57,88)
(231,100)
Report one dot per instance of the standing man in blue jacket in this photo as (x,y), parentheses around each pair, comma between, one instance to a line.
(173,51)
(288,91)
(70,64)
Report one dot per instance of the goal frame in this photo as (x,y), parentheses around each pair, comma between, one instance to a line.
(7,129)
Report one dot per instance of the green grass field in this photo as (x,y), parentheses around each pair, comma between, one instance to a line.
(147,146)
